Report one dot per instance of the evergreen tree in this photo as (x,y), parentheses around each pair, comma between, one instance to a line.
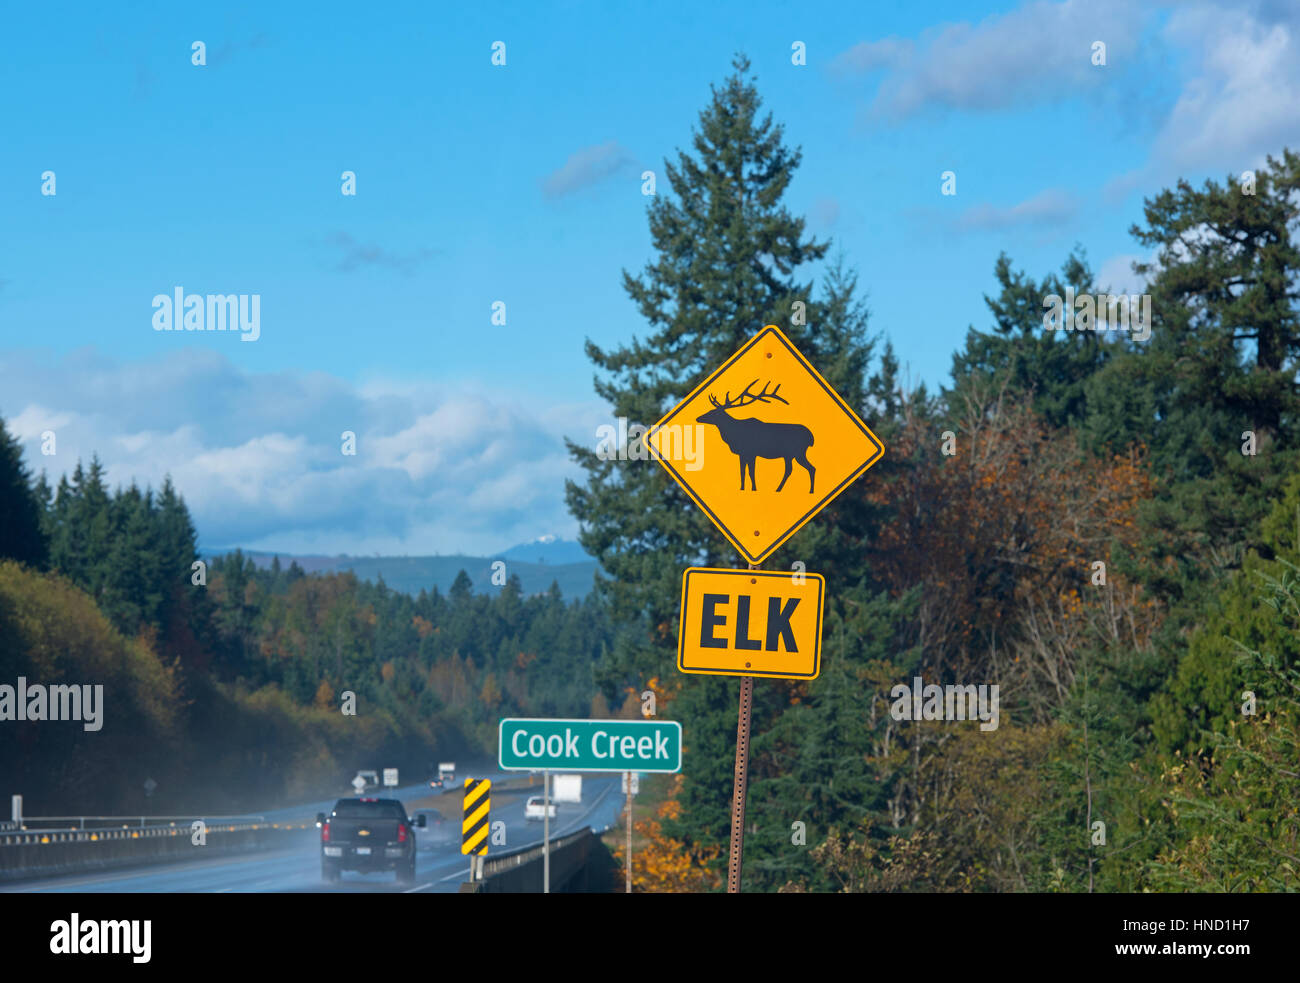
(1224,295)
(132,590)
(22,536)
(1052,365)
(462,589)
(728,258)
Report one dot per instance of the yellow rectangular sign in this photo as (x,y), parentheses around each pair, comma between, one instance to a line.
(751,623)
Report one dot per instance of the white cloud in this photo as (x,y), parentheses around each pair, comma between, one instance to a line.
(586,167)
(1216,84)
(1240,100)
(1116,274)
(1050,207)
(871,56)
(258,455)
(825,212)
(1040,50)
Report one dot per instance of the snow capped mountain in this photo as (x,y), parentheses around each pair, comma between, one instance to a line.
(547,549)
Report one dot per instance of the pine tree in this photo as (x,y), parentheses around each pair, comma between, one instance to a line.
(132,593)
(1221,361)
(462,589)
(728,255)
(726,247)
(1224,295)
(1052,365)
(21,508)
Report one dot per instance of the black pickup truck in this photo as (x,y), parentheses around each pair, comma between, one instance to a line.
(367,835)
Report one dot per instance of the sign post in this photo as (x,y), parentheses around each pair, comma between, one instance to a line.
(546,832)
(627,857)
(740,787)
(802,421)
(631,786)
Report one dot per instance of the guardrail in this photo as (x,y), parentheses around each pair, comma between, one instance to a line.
(125,822)
(573,858)
(43,836)
(37,853)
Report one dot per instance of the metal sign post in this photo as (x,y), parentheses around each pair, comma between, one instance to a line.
(546,832)
(738,797)
(627,782)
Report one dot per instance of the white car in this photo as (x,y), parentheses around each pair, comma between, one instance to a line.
(535,808)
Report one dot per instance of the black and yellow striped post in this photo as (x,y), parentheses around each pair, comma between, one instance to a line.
(474,827)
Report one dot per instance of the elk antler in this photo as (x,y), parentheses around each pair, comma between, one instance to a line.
(747,397)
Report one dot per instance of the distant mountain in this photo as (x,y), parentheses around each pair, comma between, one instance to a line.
(549,550)
(536,564)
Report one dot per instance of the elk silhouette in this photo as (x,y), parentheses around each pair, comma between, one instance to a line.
(749,439)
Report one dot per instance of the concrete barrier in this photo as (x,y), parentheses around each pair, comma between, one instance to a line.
(42,853)
(580,863)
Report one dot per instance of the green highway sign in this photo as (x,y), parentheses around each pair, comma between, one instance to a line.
(589,745)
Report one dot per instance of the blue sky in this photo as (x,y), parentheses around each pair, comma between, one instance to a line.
(478,183)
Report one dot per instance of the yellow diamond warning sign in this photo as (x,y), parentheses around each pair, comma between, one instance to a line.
(763,444)
(751,623)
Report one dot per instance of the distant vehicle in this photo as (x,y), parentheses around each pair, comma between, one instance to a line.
(430,819)
(535,808)
(447,771)
(566,788)
(435,783)
(366,835)
(433,817)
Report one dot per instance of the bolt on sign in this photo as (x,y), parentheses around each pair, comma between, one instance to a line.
(747,426)
(751,623)
(474,827)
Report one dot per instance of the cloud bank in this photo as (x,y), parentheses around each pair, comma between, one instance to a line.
(258,456)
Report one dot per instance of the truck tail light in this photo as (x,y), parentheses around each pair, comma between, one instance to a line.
(401,832)
(325,831)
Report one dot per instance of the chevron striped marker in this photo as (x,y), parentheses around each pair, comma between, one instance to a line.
(474,827)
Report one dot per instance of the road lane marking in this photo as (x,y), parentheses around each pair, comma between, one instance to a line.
(412,890)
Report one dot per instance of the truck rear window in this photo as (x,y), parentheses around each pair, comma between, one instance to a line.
(379,809)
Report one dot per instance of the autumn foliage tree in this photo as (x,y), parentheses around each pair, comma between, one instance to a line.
(663,865)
